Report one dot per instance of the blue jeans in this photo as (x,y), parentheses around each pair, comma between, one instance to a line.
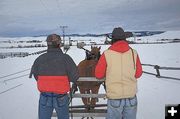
(122,108)
(50,101)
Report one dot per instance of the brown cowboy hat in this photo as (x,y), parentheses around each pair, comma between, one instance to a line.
(119,34)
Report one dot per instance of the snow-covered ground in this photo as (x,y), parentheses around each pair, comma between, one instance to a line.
(21,102)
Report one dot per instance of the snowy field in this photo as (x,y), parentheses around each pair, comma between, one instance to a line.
(21,102)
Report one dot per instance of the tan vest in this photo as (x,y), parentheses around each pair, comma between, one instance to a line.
(120,74)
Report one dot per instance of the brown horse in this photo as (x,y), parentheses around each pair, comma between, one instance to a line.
(87,69)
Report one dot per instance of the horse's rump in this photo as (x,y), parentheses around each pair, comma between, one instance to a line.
(86,68)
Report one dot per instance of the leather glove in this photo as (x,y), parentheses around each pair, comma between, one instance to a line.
(74,87)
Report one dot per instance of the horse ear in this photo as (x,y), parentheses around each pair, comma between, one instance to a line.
(99,48)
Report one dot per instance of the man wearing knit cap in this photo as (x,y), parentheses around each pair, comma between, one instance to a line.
(53,72)
(121,66)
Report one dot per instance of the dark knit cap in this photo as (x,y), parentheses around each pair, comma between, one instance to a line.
(53,40)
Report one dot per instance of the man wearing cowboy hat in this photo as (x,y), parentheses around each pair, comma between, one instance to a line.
(121,66)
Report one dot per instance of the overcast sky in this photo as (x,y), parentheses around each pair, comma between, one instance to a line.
(38,17)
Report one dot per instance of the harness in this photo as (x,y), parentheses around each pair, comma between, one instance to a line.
(92,56)
(133,58)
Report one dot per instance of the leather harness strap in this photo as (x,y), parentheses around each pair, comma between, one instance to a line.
(133,58)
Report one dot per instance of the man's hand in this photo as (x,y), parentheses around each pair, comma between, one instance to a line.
(74,88)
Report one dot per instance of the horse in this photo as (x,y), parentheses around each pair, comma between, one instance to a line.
(86,68)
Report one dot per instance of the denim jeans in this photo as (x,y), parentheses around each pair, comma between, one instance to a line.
(122,108)
(50,101)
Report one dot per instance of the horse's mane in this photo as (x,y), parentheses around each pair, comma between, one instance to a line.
(94,54)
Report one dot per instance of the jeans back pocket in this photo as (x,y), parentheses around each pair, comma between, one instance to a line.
(133,101)
(115,103)
(61,101)
(43,100)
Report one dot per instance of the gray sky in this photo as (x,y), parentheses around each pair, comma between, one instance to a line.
(38,17)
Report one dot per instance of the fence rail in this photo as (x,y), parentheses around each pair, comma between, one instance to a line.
(78,95)
(90,79)
(158,68)
(81,110)
(84,113)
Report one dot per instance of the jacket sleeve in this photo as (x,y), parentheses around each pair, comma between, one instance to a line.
(100,70)
(72,69)
(34,70)
(138,68)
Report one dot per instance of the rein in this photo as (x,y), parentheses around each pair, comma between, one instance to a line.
(86,50)
(90,55)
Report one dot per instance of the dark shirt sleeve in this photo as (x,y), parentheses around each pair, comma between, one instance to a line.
(34,70)
(72,69)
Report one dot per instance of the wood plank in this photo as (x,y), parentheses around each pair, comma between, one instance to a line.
(90,79)
(85,113)
(78,95)
(88,111)
(84,106)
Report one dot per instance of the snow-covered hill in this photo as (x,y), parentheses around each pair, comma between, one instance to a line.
(170,35)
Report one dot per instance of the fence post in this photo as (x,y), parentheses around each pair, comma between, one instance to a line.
(157,70)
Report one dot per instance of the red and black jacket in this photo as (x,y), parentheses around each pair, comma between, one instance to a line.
(54,71)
